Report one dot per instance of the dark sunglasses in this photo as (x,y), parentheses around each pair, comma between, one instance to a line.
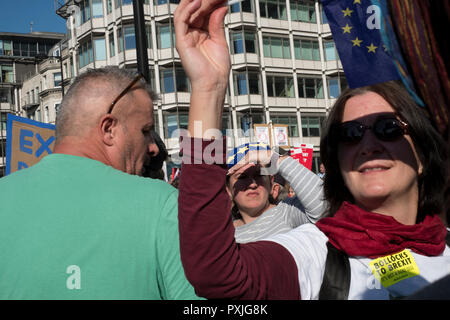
(125,91)
(384,128)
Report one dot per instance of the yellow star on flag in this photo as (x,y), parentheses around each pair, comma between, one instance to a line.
(371,48)
(243,149)
(231,158)
(356,42)
(347,12)
(357,1)
(346,28)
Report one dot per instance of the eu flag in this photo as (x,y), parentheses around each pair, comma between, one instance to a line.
(356,26)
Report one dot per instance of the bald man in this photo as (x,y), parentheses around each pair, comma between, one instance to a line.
(81,224)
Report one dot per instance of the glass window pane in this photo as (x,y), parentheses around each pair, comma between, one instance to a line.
(130,39)
(246,6)
(283,11)
(7,48)
(316,54)
(290,88)
(164,37)
(253,82)
(314,127)
(319,89)
(97,8)
(272,10)
(266,47)
(241,83)
(250,43)
(167,81)
(303,13)
(100,49)
(280,87)
(270,87)
(57,79)
(172,124)
(329,51)
(286,49)
(182,81)
(297,49)
(277,51)
(306,50)
(112,49)
(333,88)
(238,45)
(310,89)
(305,131)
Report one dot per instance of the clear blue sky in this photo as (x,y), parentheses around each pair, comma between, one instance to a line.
(16,15)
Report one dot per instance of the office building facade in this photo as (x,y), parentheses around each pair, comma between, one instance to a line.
(285,68)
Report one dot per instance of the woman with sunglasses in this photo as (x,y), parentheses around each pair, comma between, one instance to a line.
(385,176)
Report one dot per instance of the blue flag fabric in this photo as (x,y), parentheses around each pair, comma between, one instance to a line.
(238,153)
(356,25)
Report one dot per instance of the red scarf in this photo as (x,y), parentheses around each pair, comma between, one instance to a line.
(361,233)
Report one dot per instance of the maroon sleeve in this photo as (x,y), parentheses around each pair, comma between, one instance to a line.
(214,263)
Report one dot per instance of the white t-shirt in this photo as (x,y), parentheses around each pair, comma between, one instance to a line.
(307,245)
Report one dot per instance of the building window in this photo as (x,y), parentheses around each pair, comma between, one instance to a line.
(310,88)
(273,9)
(174,80)
(166,36)
(303,10)
(130,39)
(148,34)
(6,48)
(46,115)
(56,80)
(276,47)
(100,49)
(306,49)
(247,82)
(312,125)
(85,11)
(6,73)
(336,85)
(247,121)
(85,54)
(57,107)
(243,41)
(278,86)
(112,45)
(330,51)
(290,120)
(6,95)
(120,39)
(244,6)
(174,121)
(158,2)
(108,6)
(97,8)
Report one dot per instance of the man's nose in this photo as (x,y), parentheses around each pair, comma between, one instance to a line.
(153,149)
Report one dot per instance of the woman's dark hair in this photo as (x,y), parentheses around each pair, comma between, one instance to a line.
(429,146)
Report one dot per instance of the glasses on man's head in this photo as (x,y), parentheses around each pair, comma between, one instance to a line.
(125,91)
(385,128)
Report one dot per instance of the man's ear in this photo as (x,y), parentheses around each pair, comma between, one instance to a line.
(107,129)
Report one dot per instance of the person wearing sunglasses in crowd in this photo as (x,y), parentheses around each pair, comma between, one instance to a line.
(89,226)
(251,188)
(385,176)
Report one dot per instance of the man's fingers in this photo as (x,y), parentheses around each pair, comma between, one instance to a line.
(182,14)
(216,24)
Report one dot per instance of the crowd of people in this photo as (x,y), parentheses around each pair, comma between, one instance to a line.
(94,226)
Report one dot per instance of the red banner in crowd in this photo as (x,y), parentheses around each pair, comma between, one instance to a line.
(303,154)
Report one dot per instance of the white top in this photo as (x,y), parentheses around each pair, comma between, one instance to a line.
(307,245)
